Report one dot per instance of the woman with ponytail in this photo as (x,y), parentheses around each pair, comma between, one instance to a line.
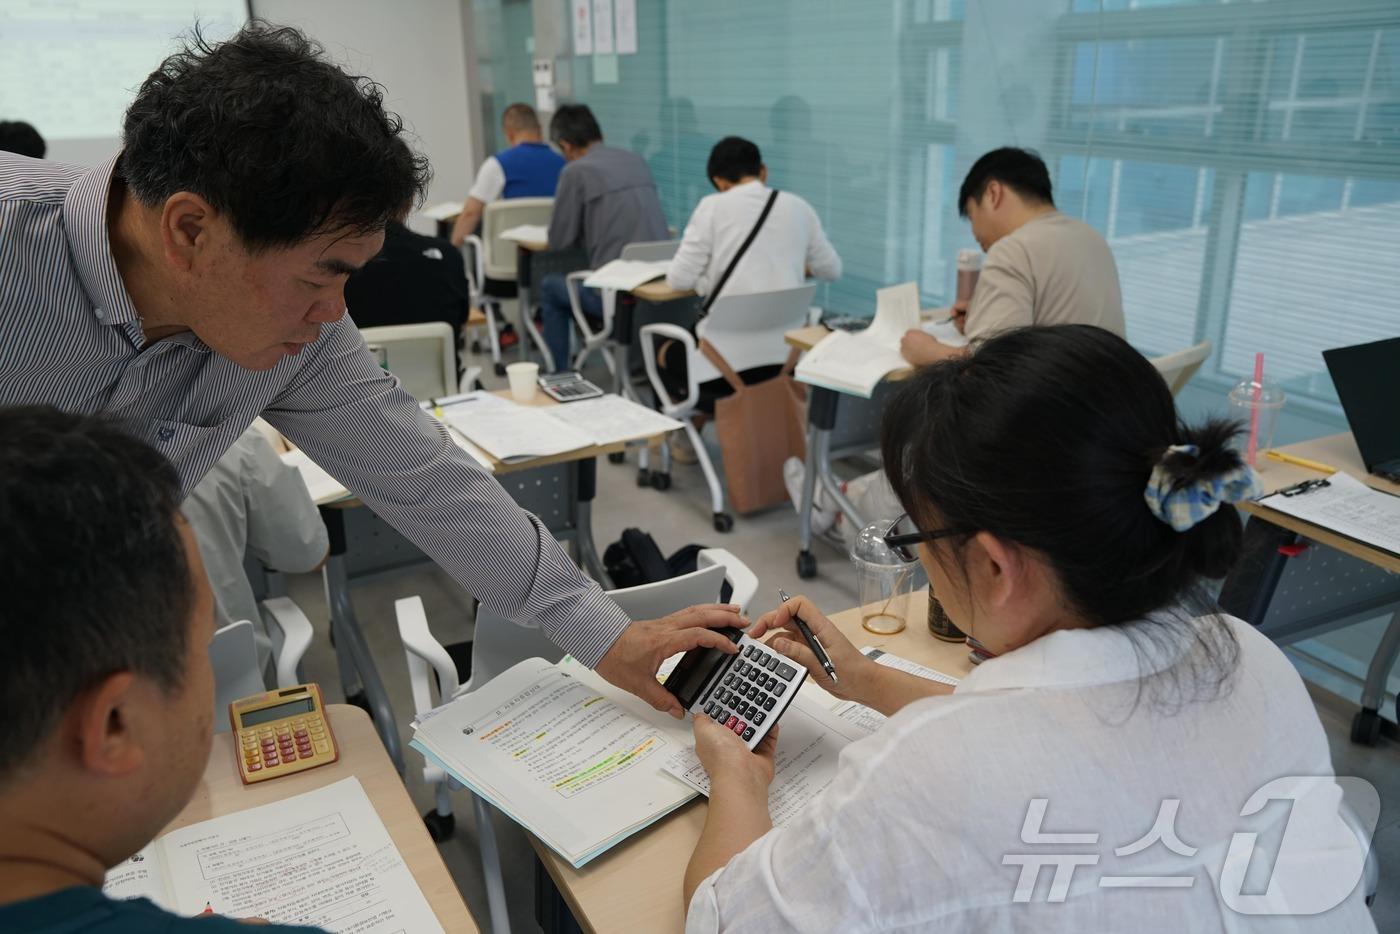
(1098,772)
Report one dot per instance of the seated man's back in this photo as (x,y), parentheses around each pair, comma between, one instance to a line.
(1053,269)
(606,199)
(105,677)
(789,245)
(414,279)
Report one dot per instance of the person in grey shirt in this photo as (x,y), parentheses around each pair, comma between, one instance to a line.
(251,503)
(606,199)
(196,281)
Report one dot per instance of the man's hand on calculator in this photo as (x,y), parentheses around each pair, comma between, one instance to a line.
(634,658)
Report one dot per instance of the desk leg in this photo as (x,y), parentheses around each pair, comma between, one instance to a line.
(583,524)
(523,282)
(357,668)
(1365,726)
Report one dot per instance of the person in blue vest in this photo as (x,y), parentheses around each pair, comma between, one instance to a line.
(527,168)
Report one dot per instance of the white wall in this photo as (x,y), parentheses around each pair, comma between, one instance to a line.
(417,50)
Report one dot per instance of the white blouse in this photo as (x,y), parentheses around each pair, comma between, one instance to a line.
(959,813)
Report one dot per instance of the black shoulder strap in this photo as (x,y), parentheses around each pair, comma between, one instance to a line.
(744,248)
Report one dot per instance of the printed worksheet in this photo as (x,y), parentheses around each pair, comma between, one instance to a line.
(809,746)
(322,859)
(1348,507)
(611,418)
(868,720)
(570,757)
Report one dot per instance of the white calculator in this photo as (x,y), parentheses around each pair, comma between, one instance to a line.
(746,693)
(569,387)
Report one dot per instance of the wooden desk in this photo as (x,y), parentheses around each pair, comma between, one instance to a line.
(657,291)
(637,885)
(361,755)
(1339,451)
(1293,593)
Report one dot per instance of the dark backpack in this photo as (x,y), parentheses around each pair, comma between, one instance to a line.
(636,559)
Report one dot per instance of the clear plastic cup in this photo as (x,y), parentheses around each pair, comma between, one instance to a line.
(969,268)
(1256,406)
(524,380)
(885,581)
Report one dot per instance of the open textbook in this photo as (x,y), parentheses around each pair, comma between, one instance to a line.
(626,274)
(855,363)
(322,859)
(583,765)
(510,431)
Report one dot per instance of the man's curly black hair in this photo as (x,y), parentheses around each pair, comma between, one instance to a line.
(266,130)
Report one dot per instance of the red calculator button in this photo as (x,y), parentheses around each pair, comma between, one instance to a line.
(301,734)
(731,722)
(739,727)
(254,766)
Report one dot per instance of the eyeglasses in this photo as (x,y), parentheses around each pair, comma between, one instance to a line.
(903,535)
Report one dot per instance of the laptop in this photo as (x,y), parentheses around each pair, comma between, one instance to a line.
(1367,378)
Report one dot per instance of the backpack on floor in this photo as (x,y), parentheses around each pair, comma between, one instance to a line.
(636,559)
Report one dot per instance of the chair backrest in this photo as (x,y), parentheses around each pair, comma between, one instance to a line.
(653,251)
(748,330)
(422,356)
(234,656)
(1178,368)
(503,215)
(499,643)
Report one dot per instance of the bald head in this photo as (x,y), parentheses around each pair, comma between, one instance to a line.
(521,124)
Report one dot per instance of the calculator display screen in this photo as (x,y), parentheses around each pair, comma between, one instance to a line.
(304,705)
(695,669)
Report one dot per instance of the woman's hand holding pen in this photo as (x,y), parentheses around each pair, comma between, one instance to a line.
(854,670)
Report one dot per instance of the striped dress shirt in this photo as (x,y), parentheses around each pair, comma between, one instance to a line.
(71,337)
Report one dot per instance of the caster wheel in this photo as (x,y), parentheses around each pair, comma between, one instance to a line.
(806,565)
(643,477)
(500,369)
(440,826)
(723,522)
(1366,727)
(660,481)
(617,457)
(476,346)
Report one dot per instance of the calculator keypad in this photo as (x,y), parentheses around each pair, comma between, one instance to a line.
(749,691)
(285,745)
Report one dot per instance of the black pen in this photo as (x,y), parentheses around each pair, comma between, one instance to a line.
(812,642)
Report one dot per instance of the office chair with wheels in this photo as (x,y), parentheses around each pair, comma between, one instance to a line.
(499,265)
(499,644)
(748,331)
(422,356)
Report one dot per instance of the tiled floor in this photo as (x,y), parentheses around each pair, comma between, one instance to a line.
(767,543)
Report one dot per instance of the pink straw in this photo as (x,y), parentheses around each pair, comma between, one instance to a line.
(1251,450)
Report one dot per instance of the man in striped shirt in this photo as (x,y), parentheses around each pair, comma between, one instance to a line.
(195,282)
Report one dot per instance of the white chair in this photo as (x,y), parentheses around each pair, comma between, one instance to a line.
(1178,368)
(748,331)
(602,340)
(482,310)
(423,357)
(499,644)
(233,654)
(499,262)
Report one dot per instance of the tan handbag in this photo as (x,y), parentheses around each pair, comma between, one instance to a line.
(759,427)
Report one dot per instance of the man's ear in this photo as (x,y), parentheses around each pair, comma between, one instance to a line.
(763,174)
(103,727)
(185,224)
(994,194)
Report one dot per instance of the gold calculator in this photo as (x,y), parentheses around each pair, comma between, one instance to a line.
(281,732)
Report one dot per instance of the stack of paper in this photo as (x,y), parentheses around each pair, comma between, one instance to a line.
(512,432)
(855,363)
(527,233)
(560,751)
(322,859)
(624,275)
